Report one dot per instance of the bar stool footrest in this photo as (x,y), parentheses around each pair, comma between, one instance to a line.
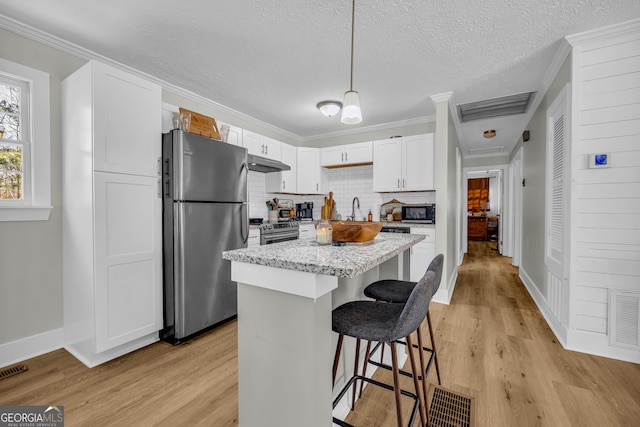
(349,383)
(402,372)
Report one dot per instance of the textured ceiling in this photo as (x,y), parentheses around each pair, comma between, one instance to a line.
(275,60)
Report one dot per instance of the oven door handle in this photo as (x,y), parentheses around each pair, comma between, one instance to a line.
(281,237)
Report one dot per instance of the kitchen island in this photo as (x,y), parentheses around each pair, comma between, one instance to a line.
(286,292)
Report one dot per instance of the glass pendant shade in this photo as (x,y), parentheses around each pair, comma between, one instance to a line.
(351,113)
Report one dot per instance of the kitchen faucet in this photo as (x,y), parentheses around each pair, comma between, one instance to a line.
(353,209)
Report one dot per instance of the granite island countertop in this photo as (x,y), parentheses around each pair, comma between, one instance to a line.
(341,261)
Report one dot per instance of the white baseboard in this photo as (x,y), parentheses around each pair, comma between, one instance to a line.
(26,348)
(556,327)
(443,296)
(573,339)
(598,345)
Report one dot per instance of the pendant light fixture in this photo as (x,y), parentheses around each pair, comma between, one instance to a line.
(351,113)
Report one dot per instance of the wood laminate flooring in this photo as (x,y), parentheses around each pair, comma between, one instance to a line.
(493,344)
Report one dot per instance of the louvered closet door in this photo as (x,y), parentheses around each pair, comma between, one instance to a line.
(558,145)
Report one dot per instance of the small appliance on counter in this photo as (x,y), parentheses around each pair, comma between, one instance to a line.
(420,214)
(304,211)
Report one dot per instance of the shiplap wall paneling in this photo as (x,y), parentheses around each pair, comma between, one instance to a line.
(605,216)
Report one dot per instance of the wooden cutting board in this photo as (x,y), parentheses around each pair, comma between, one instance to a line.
(202,125)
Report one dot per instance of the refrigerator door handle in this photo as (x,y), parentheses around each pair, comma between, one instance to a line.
(244,224)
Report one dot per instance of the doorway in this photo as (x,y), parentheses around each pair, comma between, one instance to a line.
(486,211)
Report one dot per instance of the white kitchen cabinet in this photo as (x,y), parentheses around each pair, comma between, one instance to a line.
(307,231)
(423,253)
(403,164)
(260,145)
(285,181)
(387,165)
(112,213)
(347,155)
(254,238)
(235,134)
(311,178)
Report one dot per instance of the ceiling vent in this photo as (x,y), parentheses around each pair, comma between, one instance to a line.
(496,107)
(485,151)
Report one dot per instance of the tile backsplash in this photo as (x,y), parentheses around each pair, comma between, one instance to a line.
(346,183)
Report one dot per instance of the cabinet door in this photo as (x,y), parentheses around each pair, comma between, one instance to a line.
(417,163)
(289,178)
(235,134)
(359,153)
(309,170)
(253,142)
(127,122)
(422,254)
(332,156)
(387,165)
(272,149)
(254,238)
(128,258)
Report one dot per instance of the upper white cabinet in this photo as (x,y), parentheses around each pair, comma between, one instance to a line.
(347,155)
(285,181)
(403,164)
(235,134)
(260,145)
(310,175)
(112,213)
(126,112)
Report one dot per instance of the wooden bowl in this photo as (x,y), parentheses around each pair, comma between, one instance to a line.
(354,231)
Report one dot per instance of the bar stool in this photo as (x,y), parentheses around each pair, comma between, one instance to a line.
(385,322)
(398,291)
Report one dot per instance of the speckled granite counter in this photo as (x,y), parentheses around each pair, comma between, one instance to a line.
(407,224)
(341,261)
(286,293)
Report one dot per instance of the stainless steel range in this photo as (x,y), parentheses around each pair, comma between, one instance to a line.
(275,232)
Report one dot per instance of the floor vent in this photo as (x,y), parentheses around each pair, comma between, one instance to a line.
(495,107)
(451,409)
(12,370)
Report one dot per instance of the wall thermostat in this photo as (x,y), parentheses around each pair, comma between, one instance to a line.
(600,160)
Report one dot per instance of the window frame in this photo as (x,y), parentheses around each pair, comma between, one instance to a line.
(36,203)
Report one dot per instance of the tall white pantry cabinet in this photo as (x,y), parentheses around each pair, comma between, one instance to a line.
(112,213)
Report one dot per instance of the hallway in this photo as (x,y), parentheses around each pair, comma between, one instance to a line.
(494,345)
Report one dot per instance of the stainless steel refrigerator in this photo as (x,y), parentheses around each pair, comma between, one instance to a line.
(205,212)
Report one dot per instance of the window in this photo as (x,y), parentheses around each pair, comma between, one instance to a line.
(15,141)
(25,188)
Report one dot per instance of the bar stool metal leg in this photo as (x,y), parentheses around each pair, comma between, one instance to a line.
(337,357)
(433,347)
(396,383)
(421,397)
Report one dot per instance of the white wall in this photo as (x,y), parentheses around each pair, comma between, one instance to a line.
(31,251)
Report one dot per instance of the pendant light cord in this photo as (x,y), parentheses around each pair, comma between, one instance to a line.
(353,23)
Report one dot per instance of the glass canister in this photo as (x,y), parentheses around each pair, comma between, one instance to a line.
(324,232)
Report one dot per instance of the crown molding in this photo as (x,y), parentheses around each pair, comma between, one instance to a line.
(440,97)
(604,33)
(373,128)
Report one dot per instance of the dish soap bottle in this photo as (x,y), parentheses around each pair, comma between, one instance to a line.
(370,216)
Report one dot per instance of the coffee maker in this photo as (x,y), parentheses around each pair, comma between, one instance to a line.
(304,211)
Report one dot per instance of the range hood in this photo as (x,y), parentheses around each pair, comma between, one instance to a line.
(262,164)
